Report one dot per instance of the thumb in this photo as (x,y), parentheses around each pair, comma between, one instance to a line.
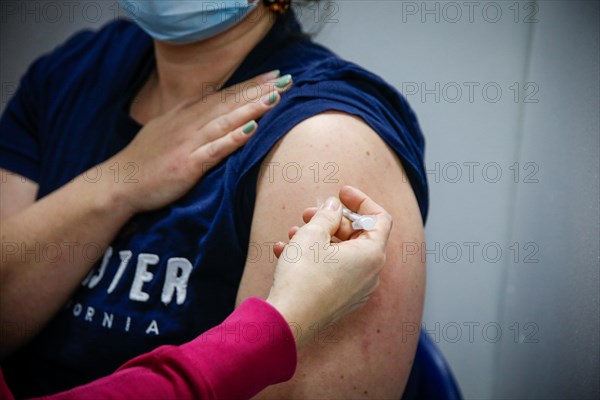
(325,223)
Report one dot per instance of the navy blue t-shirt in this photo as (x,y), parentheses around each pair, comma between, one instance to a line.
(173,273)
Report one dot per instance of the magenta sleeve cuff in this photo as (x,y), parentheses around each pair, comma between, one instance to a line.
(252,349)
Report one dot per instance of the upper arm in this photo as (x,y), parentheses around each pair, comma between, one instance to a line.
(366,354)
(16,193)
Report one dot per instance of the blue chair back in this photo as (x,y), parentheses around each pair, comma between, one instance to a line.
(430,377)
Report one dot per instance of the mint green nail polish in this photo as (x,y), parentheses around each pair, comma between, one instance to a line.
(273,98)
(276,73)
(249,128)
(283,81)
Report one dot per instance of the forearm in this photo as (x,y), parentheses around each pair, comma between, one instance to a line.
(49,247)
(216,365)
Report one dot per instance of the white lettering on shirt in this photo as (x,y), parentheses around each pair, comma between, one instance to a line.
(97,278)
(107,321)
(89,314)
(153,327)
(178,273)
(125,256)
(142,275)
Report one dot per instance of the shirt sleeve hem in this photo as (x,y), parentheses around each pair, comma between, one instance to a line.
(19,164)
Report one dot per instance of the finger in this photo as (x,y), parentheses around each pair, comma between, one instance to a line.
(357,201)
(268,78)
(324,223)
(213,152)
(345,231)
(278,249)
(312,210)
(234,97)
(227,122)
(293,231)
(208,89)
(263,78)
(308,213)
(253,89)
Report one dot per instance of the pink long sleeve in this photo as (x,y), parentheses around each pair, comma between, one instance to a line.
(252,349)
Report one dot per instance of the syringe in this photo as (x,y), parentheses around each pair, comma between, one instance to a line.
(365,222)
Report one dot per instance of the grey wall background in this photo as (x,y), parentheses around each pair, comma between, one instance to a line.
(507,93)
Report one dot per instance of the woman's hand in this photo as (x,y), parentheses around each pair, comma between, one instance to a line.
(317,281)
(172,152)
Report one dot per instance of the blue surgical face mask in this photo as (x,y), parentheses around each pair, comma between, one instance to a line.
(186,21)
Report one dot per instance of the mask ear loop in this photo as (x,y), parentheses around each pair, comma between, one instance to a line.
(278,6)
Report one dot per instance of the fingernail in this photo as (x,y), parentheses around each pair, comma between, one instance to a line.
(272,74)
(271,99)
(283,81)
(332,204)
(249,128)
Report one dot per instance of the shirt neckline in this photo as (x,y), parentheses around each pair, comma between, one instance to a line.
(286,27)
